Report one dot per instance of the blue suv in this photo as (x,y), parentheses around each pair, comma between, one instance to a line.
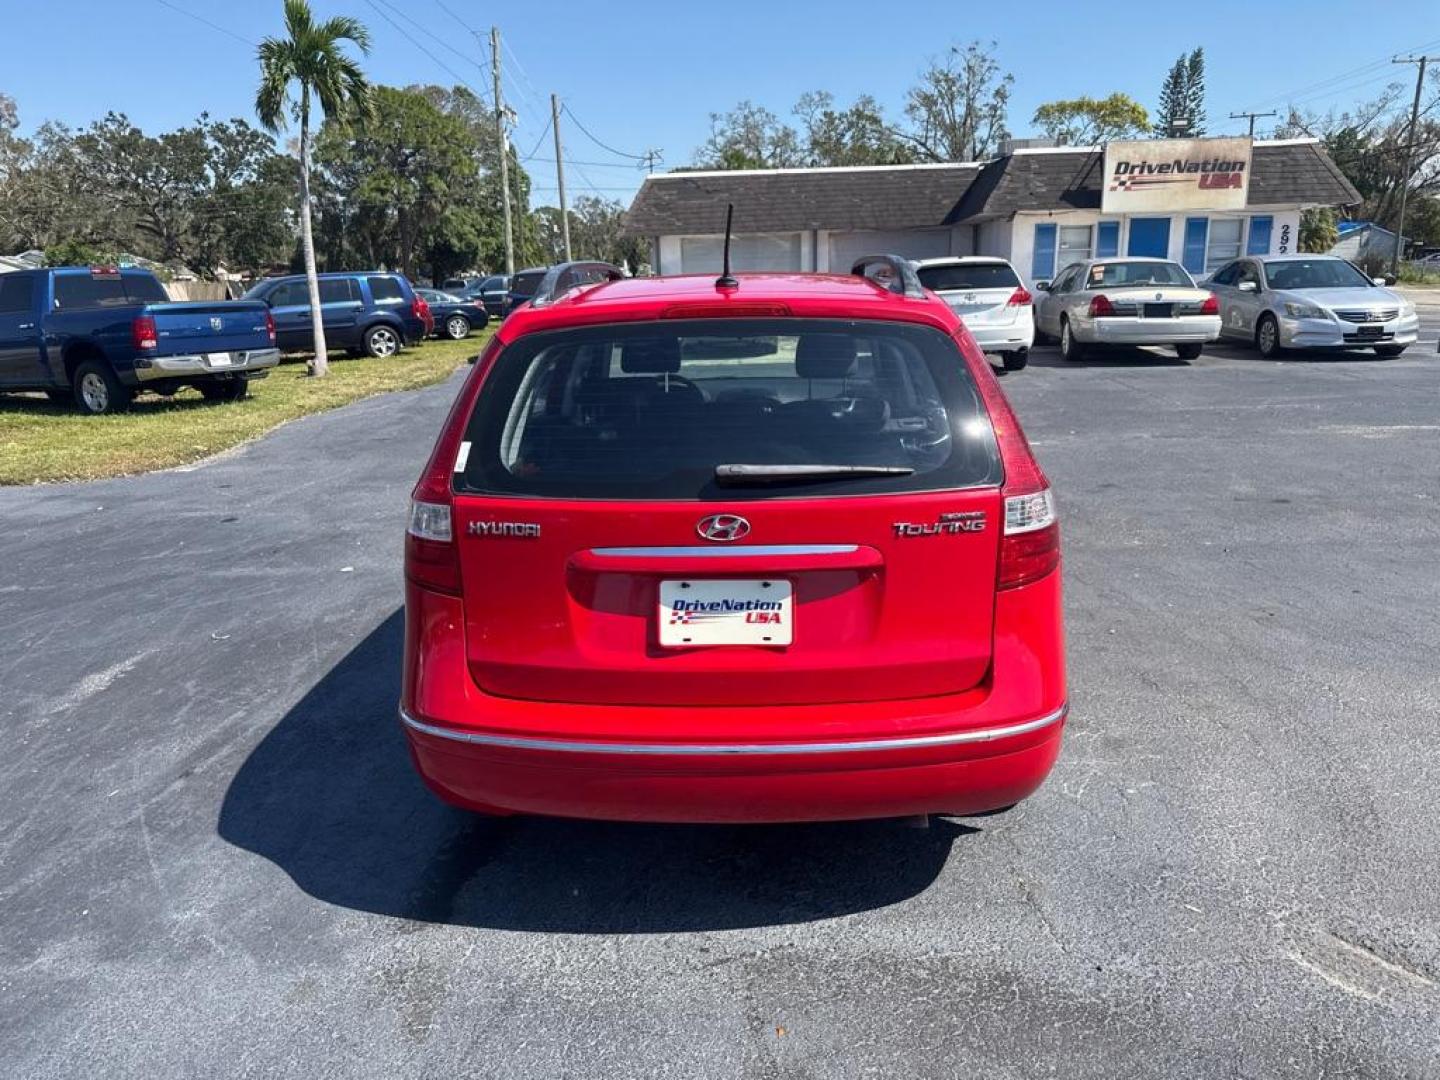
(374,312)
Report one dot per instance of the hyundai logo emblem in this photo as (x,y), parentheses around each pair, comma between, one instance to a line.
(722,528)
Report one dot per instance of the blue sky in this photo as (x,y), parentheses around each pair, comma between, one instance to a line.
(641,75)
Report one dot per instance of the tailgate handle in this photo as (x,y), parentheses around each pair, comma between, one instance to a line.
(697,559)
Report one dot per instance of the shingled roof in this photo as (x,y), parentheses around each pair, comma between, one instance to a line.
(926,196)
(771,200)
(1297,171)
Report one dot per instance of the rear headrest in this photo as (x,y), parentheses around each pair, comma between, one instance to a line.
(650,356)
(824,356)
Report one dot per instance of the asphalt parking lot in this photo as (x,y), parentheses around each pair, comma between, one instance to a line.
(215,859)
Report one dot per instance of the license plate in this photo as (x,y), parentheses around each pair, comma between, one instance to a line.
(1371,331)
(711,612)
(219,359)
(1158,311)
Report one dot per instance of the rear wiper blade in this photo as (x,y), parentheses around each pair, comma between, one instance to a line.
(779,474)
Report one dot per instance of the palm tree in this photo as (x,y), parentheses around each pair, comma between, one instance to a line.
(311,56)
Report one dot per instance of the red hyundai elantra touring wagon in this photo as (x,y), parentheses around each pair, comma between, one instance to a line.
(766,549)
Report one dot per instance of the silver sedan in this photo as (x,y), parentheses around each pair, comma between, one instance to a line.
(1126,302)
(1311,302)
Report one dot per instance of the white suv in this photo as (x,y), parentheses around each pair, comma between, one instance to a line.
(991,301)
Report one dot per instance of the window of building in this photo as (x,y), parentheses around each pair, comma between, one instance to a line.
(1224,242)
(1074,245)
(1107,239)
(1042,262)
(1261,226)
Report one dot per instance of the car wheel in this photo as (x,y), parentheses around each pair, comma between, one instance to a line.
(1267,337)
(382,341)
(1070,349)
(97,391)
(1388,351)
(1016,361)
(1188,351)
(224,390)
(457,327)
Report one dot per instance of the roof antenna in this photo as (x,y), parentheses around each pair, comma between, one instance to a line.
(726,280)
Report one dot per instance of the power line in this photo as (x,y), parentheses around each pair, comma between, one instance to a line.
(536,148)
(1252,117)
(1383,62)
(207,22)
(406,34)
(603,146)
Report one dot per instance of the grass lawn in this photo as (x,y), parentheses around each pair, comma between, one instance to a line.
(40,441)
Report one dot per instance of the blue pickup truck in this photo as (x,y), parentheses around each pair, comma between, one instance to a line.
(96,336)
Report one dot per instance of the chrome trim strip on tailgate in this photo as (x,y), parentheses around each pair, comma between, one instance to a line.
(904,742)
(693,552)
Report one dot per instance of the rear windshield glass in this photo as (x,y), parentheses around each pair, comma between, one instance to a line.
(1316,274)
(144,289)
(74,291)
(648,411)
(526,284)
(968,276)
(1118,275)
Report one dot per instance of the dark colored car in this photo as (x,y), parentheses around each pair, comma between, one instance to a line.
(375,312)
(455,316)
(772,548)
(97,335)
(522,287)
(457,284)
(492,292)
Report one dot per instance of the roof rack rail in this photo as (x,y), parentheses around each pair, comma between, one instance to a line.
(892,272)
(563,277)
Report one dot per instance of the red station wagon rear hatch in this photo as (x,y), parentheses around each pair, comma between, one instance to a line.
(728,512)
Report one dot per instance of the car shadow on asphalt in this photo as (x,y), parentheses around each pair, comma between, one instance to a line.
(1112,357)
(330,797)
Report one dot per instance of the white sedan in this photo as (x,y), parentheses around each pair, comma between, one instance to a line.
(988,296)
(1127,302)
(1311,302)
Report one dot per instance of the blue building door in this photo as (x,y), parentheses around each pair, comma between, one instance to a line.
(1150,237)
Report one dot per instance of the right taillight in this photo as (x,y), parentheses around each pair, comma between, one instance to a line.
(1020,298)
(1211,306)
(1100,306)
(270,326)
(1030,545)
(1030,536)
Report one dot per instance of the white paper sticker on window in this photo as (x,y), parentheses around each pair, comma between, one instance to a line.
(462,457)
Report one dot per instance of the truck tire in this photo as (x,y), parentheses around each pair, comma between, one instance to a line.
(223,389)
(97,391)
(382,340)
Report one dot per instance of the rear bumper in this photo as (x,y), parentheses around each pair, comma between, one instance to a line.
(960,773)
(1124,330)
(1004,338)
(149,368)
(962,753)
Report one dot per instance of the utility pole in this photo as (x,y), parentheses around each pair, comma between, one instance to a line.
(1252,117)
(1409,154)
(560,174)
(504,139)
(650,159)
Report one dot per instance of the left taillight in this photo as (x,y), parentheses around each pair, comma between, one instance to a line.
(270,326)
(432,557)
(143,332)
(1020,298)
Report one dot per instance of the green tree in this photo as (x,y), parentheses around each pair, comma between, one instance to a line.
(311,56)
(78,253)
(750,136)
(858,135)
(399,186)
(1318,229)
(958,109)
(1182,96)
(1084,121)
